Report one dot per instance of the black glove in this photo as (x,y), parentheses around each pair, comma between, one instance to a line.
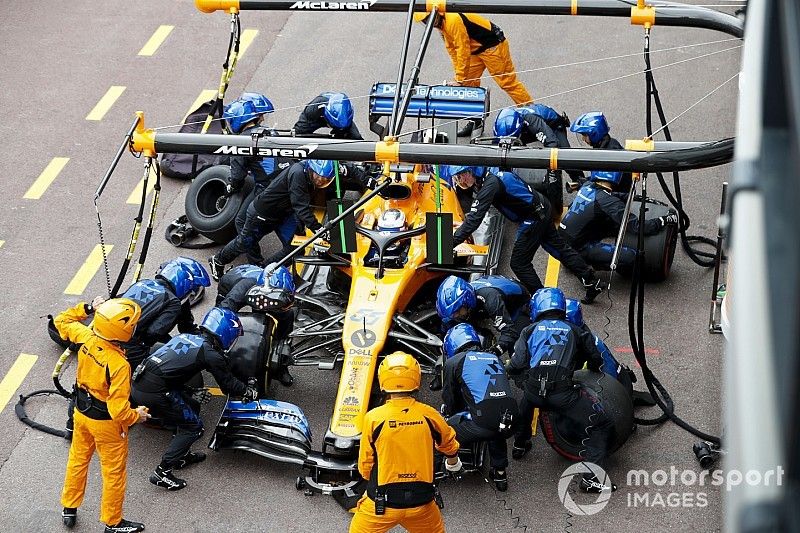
(497,350)
(371,183)
(231,189)
(201,396)
(443,410)
(512,370)
(551,176)
(456,470)
(672,218)
(250,395)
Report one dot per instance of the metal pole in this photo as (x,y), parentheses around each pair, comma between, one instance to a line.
(116,159)
(426,37)
(402,69)
(713,327)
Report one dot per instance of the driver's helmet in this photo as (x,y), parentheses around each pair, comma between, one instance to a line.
(391,221)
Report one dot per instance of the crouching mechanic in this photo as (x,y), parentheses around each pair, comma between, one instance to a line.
(597,213)
(594,131)
(159,383)
(396,455)
(551,349)
(104,414)
(518,202)
(477,398)
(244,117)
(271,293)
(328,110)
(288,194)
(164,305)
(503,301)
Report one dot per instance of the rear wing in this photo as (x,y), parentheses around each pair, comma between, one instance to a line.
(428,101)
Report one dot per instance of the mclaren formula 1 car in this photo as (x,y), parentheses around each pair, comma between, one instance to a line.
(369,292)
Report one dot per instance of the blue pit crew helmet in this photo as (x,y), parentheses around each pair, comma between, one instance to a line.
(455,170)
(246,109)
(324,170)
(606,175)
(508,123)
(455,298)
(200,277)
(178,276)
(338,111)
(459,337)
(277,278)
(593,125)
(574,312)
(547,299)
(224,325)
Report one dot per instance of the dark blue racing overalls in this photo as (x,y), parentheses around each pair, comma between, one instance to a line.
(504,303)
(518,202)
(161,312)
(551,350)
(160,384)
(477,390)
(596,214)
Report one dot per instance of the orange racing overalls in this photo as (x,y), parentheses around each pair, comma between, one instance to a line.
(474,45)
(103,415)
(396,459)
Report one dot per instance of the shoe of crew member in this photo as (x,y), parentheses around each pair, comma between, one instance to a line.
(163,477)
(521,449)
(499,478)
(125,526)
(189,459)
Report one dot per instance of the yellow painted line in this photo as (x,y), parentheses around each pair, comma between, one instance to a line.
(136,195)
(551,274)
(16,375)
(87,271)
(246,40)
(53,168)
(205,96)
(216,391)
(553,266)
(155,41)
(2,243)
(105,103)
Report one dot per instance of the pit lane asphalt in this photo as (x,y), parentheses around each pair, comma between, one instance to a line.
(59,59)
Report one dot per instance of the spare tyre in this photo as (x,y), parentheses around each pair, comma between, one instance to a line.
(659,248)
(566,439)
(249,357)
(208,211)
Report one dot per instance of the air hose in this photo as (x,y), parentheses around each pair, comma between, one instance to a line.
(702,258)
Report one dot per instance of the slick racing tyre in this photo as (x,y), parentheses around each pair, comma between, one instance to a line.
(659,248)
(249,357)
(566,439)
(208,211)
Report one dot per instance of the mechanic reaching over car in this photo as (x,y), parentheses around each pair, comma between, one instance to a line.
(160,382)
(328,110)
(104,414)
(550,350)
(520,203)
(597,213)
(244,117)
(544,124)
(164,303)
(475,44)
(477,398)
(272,293)
(288,195)
(395,455)
(594,131)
